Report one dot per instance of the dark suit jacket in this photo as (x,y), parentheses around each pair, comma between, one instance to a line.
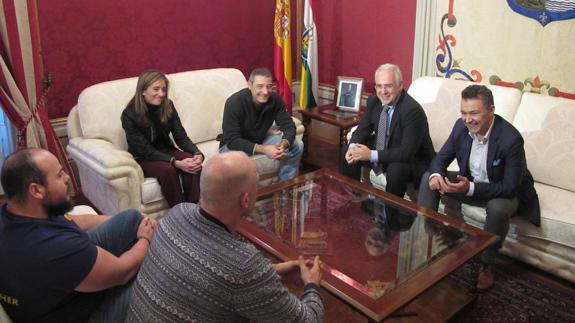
(506,165)
(409,140)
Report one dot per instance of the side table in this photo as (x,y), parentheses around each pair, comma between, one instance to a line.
(344,123)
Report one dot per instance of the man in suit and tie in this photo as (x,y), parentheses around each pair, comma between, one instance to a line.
(492,171)
(402,148)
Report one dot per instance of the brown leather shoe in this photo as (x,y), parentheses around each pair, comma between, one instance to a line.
(486,278)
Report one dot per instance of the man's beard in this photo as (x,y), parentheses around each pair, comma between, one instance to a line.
(54,210)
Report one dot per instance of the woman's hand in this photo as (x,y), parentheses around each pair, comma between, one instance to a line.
(190,165)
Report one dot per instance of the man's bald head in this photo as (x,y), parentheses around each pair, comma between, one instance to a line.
(225,177)
(20,170)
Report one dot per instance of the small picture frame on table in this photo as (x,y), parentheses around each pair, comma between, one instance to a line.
(349,91)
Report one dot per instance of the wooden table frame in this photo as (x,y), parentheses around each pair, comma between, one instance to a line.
(395,299)
(317,113)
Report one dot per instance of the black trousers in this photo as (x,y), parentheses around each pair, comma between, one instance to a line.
(397,174)
(498,212)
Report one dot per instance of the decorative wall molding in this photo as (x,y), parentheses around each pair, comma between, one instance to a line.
(423,47)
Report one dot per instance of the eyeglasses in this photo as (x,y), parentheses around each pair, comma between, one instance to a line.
(384,86)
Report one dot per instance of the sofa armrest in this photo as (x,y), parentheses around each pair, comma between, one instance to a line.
(111,179)
(299,128)
(103,154)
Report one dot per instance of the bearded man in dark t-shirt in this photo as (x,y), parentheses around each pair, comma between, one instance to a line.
(58,267)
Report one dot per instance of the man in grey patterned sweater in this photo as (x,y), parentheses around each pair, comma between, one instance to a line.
(199,269)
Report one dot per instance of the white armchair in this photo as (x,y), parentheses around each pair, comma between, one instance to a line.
(110,177)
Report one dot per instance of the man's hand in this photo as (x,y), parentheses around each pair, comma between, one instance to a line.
(436,183)
(190,165)
(462,186)
(310,275)
(282,146)
(276,152)
(358,153)
(444,185)
(349,155)
(285,267)
(147,227)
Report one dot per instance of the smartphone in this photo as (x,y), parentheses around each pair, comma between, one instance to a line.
(452,177)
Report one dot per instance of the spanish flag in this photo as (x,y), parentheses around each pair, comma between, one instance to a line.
(282,51)
(308,91)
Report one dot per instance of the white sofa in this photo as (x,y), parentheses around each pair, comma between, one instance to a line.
(548,128)
(110,177)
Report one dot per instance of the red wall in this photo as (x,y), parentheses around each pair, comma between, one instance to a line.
(85,42)
(355,37)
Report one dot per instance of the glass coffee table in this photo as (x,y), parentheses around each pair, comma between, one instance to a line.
(379,252)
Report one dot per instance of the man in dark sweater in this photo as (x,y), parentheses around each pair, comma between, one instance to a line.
(248,115)
(58,267)
(200,269)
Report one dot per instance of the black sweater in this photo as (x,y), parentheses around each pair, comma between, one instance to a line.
(152,141)
(244,125)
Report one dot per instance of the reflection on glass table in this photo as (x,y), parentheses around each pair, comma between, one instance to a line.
(360,235)
(378,251)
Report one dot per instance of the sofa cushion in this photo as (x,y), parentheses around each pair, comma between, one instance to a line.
(203,116)
(428,89)
(441,100)
(425,89)
(445,111)
(557,222)
(151,190)
(266,167)
(506,101)
(100,107)
(533,110)
(550,151)
(209,148)
(557,215)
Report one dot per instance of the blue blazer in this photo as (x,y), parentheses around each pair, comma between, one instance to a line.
(506,165)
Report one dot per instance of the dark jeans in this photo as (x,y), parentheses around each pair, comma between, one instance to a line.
(499,211)
(117,235)
(169,178)
(397,174)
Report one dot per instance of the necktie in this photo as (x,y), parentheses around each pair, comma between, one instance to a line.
(382,129)
(381,140)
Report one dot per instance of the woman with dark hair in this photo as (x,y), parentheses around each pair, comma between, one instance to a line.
(148,120)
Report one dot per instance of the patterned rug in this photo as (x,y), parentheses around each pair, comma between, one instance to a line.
(517,296)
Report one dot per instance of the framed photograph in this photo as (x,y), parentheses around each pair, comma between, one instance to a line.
(349,93)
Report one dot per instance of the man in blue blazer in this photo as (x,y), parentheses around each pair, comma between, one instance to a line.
(403,151)
(492,171)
